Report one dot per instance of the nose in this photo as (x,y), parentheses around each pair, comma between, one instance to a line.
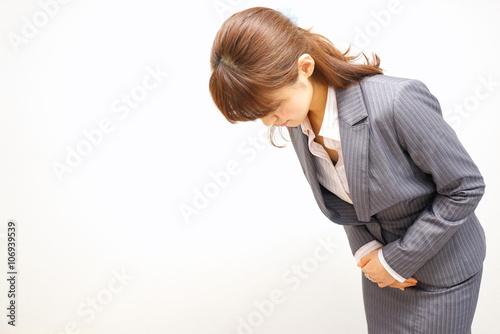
(268,120)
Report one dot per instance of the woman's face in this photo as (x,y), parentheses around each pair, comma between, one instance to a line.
(297,98)
(295,106)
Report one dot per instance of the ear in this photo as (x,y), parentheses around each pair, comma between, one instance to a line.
(306,65)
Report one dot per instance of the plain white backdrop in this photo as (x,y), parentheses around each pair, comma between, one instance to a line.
(141,210)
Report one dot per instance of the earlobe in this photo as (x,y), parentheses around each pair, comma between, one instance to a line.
(306,64)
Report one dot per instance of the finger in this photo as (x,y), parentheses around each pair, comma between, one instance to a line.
(403,284)
(412,283)
(406,285)
(400,286)
(363,262)
(383,285)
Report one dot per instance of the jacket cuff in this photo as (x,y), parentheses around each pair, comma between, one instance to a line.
(394,274)
(365,249)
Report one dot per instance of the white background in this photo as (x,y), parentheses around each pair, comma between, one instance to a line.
(105,248)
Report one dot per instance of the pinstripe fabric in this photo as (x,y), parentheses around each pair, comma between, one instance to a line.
(414,188)
(423,309)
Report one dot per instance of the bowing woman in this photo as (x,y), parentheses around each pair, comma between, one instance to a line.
(379,158)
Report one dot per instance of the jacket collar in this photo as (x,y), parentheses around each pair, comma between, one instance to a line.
(355,138)
(354,134)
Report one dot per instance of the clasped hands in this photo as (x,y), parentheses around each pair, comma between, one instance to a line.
(373,269)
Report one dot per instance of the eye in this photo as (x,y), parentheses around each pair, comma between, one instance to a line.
(271,112)
(279,107)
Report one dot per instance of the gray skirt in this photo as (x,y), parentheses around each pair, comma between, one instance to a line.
(422,309)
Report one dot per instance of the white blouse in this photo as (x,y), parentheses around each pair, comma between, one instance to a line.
(332,177)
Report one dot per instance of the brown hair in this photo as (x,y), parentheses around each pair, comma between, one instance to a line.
(255,52)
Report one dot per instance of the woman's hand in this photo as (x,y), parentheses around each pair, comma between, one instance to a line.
(406,284)
(373,269)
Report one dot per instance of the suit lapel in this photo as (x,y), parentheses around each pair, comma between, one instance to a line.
(333,207)
(300,143)
(354,137)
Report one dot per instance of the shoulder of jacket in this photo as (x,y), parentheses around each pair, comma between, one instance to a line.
(389,84)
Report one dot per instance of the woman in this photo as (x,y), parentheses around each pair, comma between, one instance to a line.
(380,160)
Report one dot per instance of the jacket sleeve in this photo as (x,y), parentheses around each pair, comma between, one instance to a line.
(434,148)
(358,236)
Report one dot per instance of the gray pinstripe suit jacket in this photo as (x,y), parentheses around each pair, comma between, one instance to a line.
(413,185)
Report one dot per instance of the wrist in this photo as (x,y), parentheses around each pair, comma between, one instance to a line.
(386,266)
(366,249)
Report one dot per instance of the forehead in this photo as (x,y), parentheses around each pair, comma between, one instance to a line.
(283,93)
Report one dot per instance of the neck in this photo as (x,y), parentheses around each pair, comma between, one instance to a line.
(318,105)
